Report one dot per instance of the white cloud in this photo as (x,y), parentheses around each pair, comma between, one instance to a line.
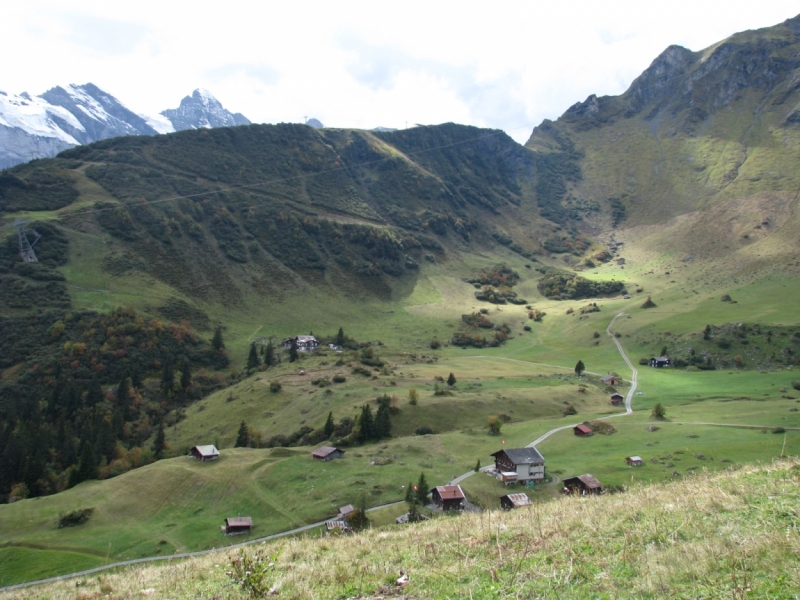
(361,64)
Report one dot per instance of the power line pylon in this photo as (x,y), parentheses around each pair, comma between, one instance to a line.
(25,245)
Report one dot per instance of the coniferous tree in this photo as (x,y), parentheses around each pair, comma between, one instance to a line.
(330,427)
(367,424)
(340,337)
(293,351)
(411,496)
(167,377)
(94,395)
(124,392)
(160,443)
(216,342)
(422,490)
(243,437)
(383,422)
(186,375)
(451,381)
(87,467)
(269,354)
(357,519)
(579,368)
(253,361)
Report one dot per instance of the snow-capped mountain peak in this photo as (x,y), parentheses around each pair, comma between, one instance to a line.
(62,117)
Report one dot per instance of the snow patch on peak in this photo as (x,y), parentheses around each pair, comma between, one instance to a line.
(205,95)
(159,122)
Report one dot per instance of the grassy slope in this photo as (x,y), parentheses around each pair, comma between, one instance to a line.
(727,535)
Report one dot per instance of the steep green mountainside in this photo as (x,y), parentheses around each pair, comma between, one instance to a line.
(702,148)
(271,209)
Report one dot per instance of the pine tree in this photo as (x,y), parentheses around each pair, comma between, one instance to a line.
(383,422)
(663,351)
(579,368)
(340,337)
(216,342)
(367,424)
(94,395)
(358,518)
(293,351)
(186,375)
(410,494)
(269,354)
(124,391)
(451,381)
(243,437)
(160,443)
(478,465)
(167,377)
(422,490)
(329,426)
(253,362)
(87,467)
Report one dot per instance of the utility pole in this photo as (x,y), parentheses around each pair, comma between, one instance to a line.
(25,246)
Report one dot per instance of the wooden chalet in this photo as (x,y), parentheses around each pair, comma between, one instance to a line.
(304,343)
(617,399)
(510,501)
(582,430)
(237,525)
(582,484)
(205,453)
(611,380)
(327,453)
(634,461)
(660,361)
(527,463)
(448,497)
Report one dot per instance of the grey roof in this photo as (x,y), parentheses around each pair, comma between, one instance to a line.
(588,480)
(518,499)
(523,456)
(209,450)
(324,451)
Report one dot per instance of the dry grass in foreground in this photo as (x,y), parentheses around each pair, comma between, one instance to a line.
(728,535)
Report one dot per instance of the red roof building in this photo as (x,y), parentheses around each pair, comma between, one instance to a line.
(448,497)
(582,430)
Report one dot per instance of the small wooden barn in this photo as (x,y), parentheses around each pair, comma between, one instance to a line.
(660,361)
(344,511)
(510,501)
(237,525)
(337,526)
(448,497)
(205,453)
(582,430)
(327,453)
(582,484)
(611,379)
(617,399)
(634,461)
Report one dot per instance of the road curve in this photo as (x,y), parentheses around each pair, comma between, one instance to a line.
(456,481)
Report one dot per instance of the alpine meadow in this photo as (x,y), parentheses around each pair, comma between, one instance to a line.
(361,344)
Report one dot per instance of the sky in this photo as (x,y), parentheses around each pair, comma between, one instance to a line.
(505,65)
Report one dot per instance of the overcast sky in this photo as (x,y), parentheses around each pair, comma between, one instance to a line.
(504,65)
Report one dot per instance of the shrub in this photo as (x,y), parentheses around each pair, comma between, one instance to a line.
(435,344)
(778,430)
(494,425)
(423,430)
(796,385)
(644,361)
(569,410)
(649,303)
(658,412)
(254,573)
(413,397)
(339,378)
(275,387)
(76,517)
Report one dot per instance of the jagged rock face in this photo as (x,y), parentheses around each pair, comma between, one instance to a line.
(202,111)
(101,115)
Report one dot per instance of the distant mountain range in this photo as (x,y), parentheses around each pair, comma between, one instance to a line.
(42,126)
